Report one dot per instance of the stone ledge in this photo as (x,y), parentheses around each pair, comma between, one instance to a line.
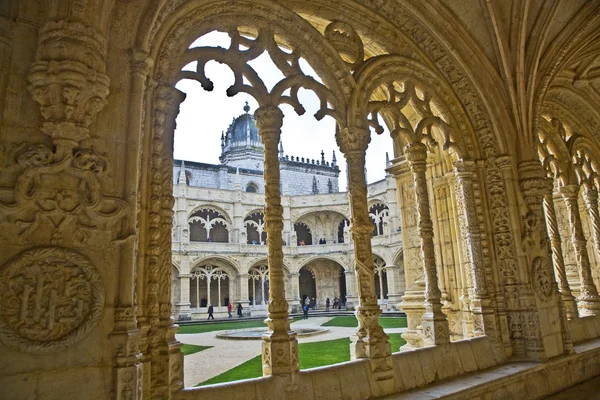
(517,380)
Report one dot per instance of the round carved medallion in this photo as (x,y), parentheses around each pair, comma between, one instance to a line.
(543,281)
(50,298)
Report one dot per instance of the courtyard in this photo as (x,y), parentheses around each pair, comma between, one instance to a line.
(227,360)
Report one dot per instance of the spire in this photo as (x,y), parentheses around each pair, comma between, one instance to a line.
(387,159)
(322,157)
(315,188)
(182,178)
(280,149)
(222,142)
(333,160)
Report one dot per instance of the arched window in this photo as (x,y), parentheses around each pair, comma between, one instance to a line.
(379,213)
(303,233)
(208,225)
(252,188)
(255,228)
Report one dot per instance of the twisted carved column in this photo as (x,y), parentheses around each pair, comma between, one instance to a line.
(590,196)
(435,324)
(280,347)
(371,342)
(557,255)
(588,300)
(464,173)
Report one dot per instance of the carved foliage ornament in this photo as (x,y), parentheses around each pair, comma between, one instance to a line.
(543,281)
(50,298)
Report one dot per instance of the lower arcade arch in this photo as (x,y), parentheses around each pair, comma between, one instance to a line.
(321,279)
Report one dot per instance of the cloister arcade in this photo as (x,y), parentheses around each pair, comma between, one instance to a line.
(492,107)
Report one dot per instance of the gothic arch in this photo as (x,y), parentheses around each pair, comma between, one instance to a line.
(377,72)
(169,41)
(264,261)
(218,209)
(226,263)
(309,260)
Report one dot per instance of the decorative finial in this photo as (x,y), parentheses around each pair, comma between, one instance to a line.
(247,108)
(322,157)
(333,159)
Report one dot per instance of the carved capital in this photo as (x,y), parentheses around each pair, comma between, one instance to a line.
(268,119)
(68,80)
(140,63)
(416,155)
(353,140)
(532,179)
(569,192)
(464,169)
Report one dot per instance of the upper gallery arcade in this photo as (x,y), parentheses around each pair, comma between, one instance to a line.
(492,107)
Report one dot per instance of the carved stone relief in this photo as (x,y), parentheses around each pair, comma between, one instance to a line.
(50,298)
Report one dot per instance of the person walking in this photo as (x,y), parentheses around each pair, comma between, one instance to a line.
(239,310)
(210,312)
(229,309)
(327,303)
(305,309)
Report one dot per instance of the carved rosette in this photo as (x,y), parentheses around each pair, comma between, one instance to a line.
(50,299)
(68,80)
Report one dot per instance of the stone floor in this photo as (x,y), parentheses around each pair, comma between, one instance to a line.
(227,354)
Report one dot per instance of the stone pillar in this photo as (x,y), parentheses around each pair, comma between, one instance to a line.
(371,342)
(243,279)
(588,300)
(351,297)
(295,296)
(483,314)
(183,311)
(590,196)
(435,324)
(393,278)
(280,347)
(557,255)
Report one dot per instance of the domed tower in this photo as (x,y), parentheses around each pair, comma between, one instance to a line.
(241,145)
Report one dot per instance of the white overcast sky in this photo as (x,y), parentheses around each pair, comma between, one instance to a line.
(203,115)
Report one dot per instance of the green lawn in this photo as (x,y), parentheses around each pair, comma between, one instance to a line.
(224,326)
(396,341)
(311,355)
(352,322)
(188,349)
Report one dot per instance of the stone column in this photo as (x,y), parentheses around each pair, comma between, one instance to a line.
(394,296)
(590,196)
(295,285)
(435,324)
(588,301)
(243,278)
(483,314)
(371,342)
(351,299)
(279,347)
(557,255)
(183,307)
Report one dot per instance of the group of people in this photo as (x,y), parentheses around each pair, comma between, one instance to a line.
(211,310)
